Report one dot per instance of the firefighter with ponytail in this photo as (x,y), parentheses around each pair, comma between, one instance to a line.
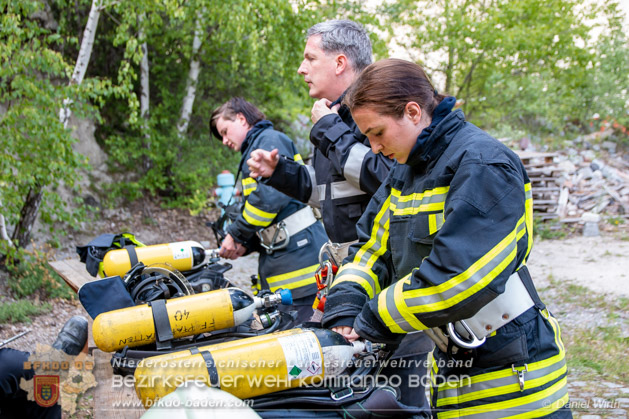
(442,247)
(283,230)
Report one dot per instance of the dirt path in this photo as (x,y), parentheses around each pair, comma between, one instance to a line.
(598,263)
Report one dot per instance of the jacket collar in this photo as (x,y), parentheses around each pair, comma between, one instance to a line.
(432,141)
(253,134)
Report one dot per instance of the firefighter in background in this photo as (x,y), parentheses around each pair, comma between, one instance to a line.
(282,229)
(444,243)
(345,172)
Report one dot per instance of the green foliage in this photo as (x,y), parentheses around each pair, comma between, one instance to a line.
(528,64)
(21,311)
(549,229)
(29,273)
(37,151)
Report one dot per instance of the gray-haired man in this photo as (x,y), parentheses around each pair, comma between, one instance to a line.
(344,173)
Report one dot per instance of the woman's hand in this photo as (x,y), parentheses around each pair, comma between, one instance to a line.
(231,249)
(262,163)
(347,332)
(322,108)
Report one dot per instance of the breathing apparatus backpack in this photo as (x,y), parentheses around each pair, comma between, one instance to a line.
(92,254)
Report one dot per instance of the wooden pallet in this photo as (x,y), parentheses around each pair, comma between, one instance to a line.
(109,401)
(544,185)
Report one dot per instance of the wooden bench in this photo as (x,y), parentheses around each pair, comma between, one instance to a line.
(109,401)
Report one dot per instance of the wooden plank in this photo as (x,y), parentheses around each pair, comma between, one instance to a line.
(72,271)
(113,402)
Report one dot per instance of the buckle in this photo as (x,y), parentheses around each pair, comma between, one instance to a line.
(460,341)
(341,393)
(273,246)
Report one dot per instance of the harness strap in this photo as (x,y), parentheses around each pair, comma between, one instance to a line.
(163,332)
(133,256)
(211,368)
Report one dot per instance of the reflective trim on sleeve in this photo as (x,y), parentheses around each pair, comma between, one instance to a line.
(297,158)
(429,200)
(344,189)
(393,311)
(352,272)
(249,185)
(354,164)
(376,246)
(316,194)
(467,283)
(257,217)
(293,280)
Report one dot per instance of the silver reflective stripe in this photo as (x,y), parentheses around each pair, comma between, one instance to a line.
(354,164)
(456,393)
(490,411)
(419,304)
(315,195)
(429,201)
(395,313)
(361,274)
(344,190)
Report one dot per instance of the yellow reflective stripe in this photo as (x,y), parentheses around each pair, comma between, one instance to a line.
(435,222)
(555,325)
(257,217)
(352,272)
(490,376)
(377,243)
(298,159)
(393,310)
(514,403)
(499,390)
(293,279)
(248,185)
(429,200)
(497,258)
(528,213)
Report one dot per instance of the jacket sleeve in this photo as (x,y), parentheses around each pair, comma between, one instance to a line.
(366,270)
(345,149)
(262,202)
(484,239)
(296,180)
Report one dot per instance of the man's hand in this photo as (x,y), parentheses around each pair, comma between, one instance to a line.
(262,163)
(230,249)
(348,332)
(322,108)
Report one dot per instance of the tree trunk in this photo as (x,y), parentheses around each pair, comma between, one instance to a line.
(28,215)
(144,92)
(84,57)
(193,76)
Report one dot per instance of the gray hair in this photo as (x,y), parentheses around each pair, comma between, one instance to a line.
(347,37)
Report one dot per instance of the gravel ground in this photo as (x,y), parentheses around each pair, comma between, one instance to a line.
(598,264)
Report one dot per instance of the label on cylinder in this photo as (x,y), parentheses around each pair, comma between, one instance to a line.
(303,355)
(180,251)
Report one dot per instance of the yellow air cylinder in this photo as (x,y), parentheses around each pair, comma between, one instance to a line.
(189,315)
(183,256)
(249,367)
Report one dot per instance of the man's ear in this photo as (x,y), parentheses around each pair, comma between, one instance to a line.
(342,64)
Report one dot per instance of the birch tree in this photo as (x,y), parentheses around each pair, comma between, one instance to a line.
(193,76)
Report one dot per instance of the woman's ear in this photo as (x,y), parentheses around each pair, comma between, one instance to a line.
(413,111)
(241,119)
